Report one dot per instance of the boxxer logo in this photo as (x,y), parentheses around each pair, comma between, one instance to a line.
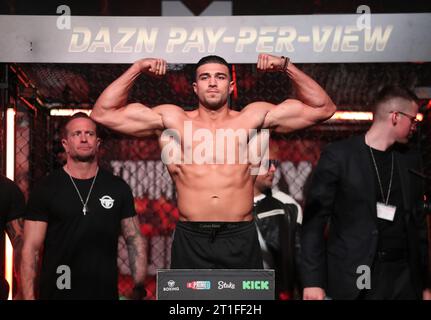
(171,286)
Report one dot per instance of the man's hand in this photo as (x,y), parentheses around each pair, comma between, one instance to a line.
(139,292)
(426,294)
(151,66)
(313,293)
(268,62)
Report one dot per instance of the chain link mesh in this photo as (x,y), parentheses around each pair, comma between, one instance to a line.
(137,161)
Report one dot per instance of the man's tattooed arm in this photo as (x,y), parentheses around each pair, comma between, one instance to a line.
(137,250)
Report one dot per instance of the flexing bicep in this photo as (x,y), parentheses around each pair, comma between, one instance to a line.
(133,119)
(294,115)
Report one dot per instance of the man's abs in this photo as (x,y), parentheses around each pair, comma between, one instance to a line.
(215,194)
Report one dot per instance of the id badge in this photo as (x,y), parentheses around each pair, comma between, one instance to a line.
(386,212)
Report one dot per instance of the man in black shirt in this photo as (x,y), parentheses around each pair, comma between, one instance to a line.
(366,187)
(76,214)
(12,207)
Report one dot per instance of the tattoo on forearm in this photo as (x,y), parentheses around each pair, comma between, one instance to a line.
(136,248)
(29,275)
(15,230)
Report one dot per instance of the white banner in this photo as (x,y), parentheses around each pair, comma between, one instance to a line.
(306,39)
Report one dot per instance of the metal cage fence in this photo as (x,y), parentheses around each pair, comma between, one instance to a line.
(137,161)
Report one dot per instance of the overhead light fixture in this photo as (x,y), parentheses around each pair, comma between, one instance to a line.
(359,116)
(67,112)
(338,116)
(352,116)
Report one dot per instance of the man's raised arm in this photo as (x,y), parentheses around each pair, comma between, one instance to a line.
(111,108)
(313,105)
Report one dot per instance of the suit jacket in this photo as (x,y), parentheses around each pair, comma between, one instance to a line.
(343,192)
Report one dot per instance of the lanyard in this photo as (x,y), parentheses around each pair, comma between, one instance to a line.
(378,177)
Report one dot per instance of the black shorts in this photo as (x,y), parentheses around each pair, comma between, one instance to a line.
(216,245)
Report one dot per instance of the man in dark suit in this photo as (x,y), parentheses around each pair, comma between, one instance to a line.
(365,190)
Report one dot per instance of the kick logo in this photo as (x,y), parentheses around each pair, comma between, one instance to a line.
(255,285)
(107,202)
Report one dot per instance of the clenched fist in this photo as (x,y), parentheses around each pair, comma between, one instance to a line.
(268,62)
(151,66)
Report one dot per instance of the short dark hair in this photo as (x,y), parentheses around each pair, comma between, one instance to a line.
(212,59)
(391,92)
(77,115)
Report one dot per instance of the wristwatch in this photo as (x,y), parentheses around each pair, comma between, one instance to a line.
(285,64)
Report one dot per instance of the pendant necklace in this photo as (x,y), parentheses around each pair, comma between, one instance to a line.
(84,204)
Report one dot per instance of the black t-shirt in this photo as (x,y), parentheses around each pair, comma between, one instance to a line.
(86,244)
(12,206)
(392,234)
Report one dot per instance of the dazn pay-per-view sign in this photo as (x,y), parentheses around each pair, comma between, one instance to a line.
(306,39)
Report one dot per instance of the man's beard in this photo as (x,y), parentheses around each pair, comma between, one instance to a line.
(87,158)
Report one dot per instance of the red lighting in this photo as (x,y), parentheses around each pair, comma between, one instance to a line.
(235,88)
